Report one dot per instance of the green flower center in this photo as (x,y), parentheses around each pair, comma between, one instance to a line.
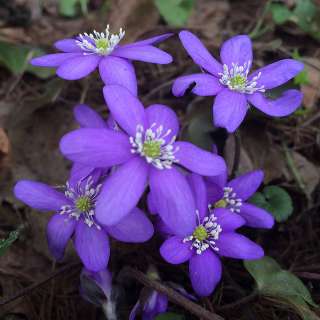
(200,233)
(152,149)
(102,44)
(238,81)
(83,204)
(221,204)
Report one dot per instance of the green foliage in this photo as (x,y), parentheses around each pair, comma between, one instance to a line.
(69,8)
(281,285)
(6,243)
(16,59)
(305,14)
(276,200)
(302,78)
(175,12)
(170,316)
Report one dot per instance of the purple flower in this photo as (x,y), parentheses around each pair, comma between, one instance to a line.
(233,194)
(231,82)
(144,151)
(153,304)
(75,217)
(212,237)
(84,54)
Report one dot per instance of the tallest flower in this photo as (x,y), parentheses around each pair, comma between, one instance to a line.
(82,55)
(144,151)
(235,88)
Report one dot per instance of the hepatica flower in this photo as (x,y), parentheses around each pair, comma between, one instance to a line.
(233,195)
(75,218)
(144,151)
(82,55)
(213,236)
(233,84)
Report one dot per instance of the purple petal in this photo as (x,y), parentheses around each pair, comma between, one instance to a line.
(220,180)
(199,54)
(163,229)
(59,230)
(175,251)
(103,279)
(214,192)
(164,116)
(144,53)
(162,303)
(151,204)
(205,85)
(114,70)
(256,217)
(87,117)
(135,228)
(122,191)
(286,104)
(229,109)
(80,173)
(234,245)
(96,147)
(174,200)
(153,40)
(198,160)
(67,45)
(205,272)
(92,246)
(228,220)
(135,311)
(78,67)
(199,190)
(237,50)
(39,196)
(246,185)
(125,108)
(54,59)
(277,73)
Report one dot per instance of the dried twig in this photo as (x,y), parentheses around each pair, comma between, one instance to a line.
(172,295)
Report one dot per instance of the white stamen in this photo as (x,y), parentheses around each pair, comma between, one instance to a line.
(233,203)
(99,43)
(245,86)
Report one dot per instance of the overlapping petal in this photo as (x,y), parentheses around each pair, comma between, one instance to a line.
(122,191)
(228,220)
(283,106)
(203,85)
(199,54)
(87,117)
(67,45)
(198,160)
(229,109)
(256,217)
(125,108)
(54,59)
(175,251)
(114,70)
(96,147)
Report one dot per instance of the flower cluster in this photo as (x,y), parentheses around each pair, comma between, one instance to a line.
(137,150)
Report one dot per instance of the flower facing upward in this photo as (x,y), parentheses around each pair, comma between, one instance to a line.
(145,151)
(82,55)
(234,86)
(76,217)
(212,237)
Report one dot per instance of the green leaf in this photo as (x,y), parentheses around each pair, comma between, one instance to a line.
(280,13)
(175,12)
(6,243)
(276,200)
(302,78)
(274,282)
(16,59)
(170,316)
(69,8)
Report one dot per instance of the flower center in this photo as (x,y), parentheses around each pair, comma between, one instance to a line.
(101,43)
(152,145)
(83,199)
(229,201)
(83,203)
(205,234)
(200,233)
(236,78)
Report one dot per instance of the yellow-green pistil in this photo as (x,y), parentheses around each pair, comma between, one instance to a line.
(221,204)
(83,204)
(102,44)
(152,149)
(238,81)
(200,233)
